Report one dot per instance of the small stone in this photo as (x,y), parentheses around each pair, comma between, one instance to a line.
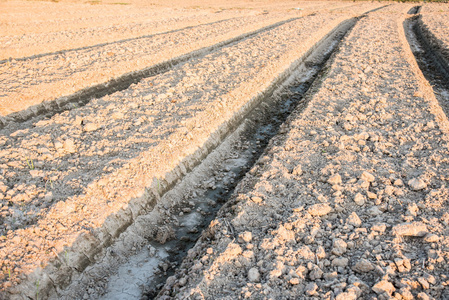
(389,190)
(182,281)
(415,229)
(297,170)
(417,184)
(340,262)
(36,173)
(371,195)
(319,209)
(58,145)
(398,182)
(359,199)
(406,294)
(363,266)
(412,209)
(403,264)
(246,237)
(367,176)
(311,288)
(383,287)
(374,211)
(320,252)
(253,275)
(330,276)
(256,199)
(423,296)
(294,281)
(334,179)
(431,238)
(379,227)
(316,273)
(424,283)
(354,220)
(69,146)
(90,127)
(339,247)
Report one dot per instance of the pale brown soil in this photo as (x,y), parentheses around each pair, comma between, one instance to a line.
(71,183)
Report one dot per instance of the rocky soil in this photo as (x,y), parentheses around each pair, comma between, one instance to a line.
(350,201)
(66,177)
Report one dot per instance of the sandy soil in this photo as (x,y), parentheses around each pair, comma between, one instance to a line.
(72,182)
(353,205)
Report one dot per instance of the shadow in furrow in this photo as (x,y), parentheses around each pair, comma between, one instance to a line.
(414,10)
(430,58)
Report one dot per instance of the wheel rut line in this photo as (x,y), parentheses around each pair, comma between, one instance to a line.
(317,58)
(430,56)
(272,106)
(111,43)
(84,96)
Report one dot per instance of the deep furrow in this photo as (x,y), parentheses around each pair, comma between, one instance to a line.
(201,193)
(433,64)
(339,205)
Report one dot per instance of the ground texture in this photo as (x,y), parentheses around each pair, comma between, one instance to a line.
(348,201)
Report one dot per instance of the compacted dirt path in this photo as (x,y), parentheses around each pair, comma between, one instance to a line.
(350,201)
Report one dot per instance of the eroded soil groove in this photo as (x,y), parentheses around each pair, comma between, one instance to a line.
(261,125)
(203,191)
(84,96)
(430,59)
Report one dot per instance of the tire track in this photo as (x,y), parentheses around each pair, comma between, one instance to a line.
(430,58)
(93,240)
(121,41)
(233,157)
(80,98)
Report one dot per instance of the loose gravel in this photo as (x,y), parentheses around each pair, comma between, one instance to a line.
(350,201)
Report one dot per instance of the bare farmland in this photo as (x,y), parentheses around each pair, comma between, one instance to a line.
(121,137)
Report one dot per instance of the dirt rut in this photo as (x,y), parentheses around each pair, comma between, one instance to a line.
(89,173)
